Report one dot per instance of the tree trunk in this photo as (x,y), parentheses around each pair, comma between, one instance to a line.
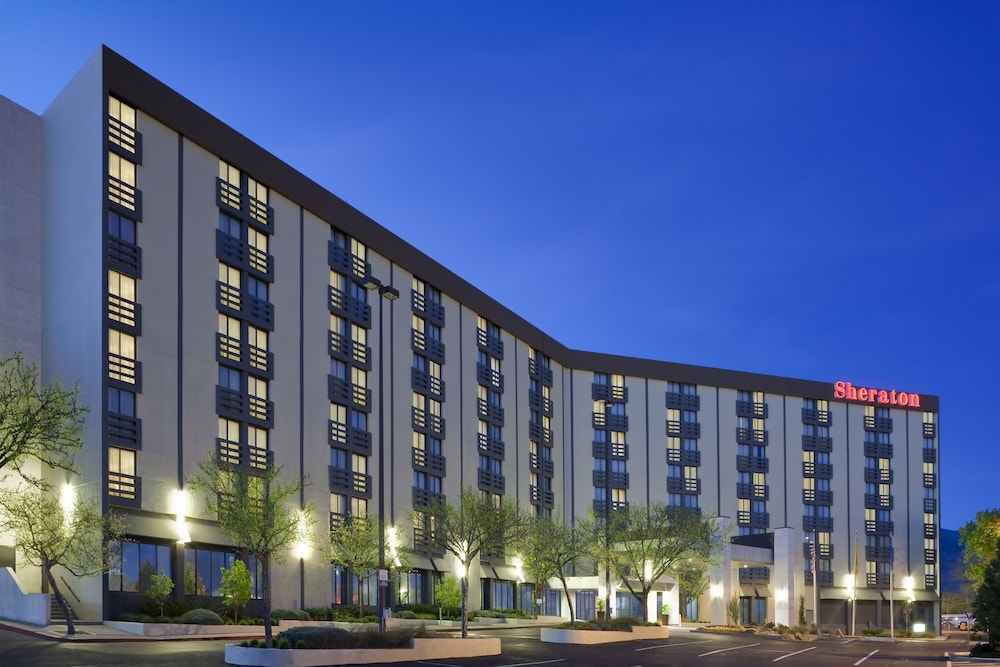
(465,603)
(569,600)
(265,571)
(70,625)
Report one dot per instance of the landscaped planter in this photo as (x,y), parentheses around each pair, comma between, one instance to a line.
(421,649)
(182,629)
(566,636)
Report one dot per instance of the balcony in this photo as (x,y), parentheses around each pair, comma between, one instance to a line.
(125,371)
(356,310)
(424,498)
(599,506)
(817,470)
(489,481)
(878,424)
(124,139)
(539,372)
(753,519)
(681,401)
(234,455)
(126,314)
(350,438)
(428,462)
(929,455)
(875,501)
(878,476)
(350,351)
(930,430)
(124,430)
(426,384)
(491,446)
(542,497)
(823,577)
(237,405)
(930,582)
(489,412)
(930,504)
(241,254)
(930,480)
(878,554)
(753,491)
(752,464)
(427,423)
(488,377)
(877,580)
(814,524)
(684,457)
(429,347)
(544,467)
(345,392)
(817,443)
(355,484)
(607,392)
(930,531)
(822,551)
(751,409)
(124,198)
(125,257)
(816,417)
(539,433)
(242,355)
(601,421)
(538,402)
(878,450)
(619,480)
(600,450)
(683,429)
(878,527)
(489,343)
(749,436)
(432,311)
(124,490)
(755,575)
(345,262)
(814,497)
(930,556)
(683,485)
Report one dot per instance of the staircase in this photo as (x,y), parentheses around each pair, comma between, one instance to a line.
(56,612)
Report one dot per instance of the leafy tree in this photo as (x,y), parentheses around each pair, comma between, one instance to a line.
(36,422)
(986,604)
(236,586)
(477,524)
(978,539)
(354,544)
(160,587)
(648,542)
(80,540)
(550,549)
(692,582)
(254,509)
(448,594)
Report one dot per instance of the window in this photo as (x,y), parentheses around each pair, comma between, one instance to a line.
(121,402)
(121,356)
(121,227)
(121,473)
(139,562)
(203,570)
(230,226)
(230,379)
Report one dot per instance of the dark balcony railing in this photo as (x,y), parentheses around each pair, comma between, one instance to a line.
(684,457)
(608,392)
(683,485)
(427,423)
(754,491)
(432,311)
(878,527)
(878,476)
(878,450)
(489,481)
(346,262)
(683,429)
(428,462)
(125,196)
(431,348)
(817,443)
(749,436)
(876,501)
(124,430)
(877,580)
(488,377)
(126,138)
(878,424)
(814,497)
(354,439)
(540,372)
(681,401)
(545,467)
(356,310)
(347,349)
(125,313)
(816,417)
(124,490)
(491,446)
(755,575)
(489,343)
(817,470)
(930,455)
(542,497)
(753,519)
(489,412)
(751,409)
(752,464)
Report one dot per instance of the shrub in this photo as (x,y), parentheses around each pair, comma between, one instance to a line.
(202,617)
(300,644)
(284,643)
(290,614)
(406,613)
(324,637)
(983,651)
(874,632)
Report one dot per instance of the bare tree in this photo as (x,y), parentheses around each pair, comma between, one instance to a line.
(477,524)
(255,510)
(77,538)
(36,422)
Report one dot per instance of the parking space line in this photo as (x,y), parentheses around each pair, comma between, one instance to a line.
(788,655)
(723,650)
(865,658)
(650,648)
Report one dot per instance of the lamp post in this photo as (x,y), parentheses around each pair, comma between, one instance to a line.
(390,294)
(607,507)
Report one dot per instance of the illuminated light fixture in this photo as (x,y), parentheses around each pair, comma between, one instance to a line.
(781,594)
(519,568)
(919,627)
(647,570)
(459,569)
(849,585)
(67,500)
(908,585)
(393,539)
(301,536)
(715,591)
(180,503)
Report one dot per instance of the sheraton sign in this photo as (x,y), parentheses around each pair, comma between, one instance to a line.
(847,391)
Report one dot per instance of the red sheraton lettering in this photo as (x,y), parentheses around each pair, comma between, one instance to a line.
(846,390)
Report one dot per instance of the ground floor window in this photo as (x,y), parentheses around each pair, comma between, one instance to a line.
(553,602)
(139,562)
(413,587)
(498,594)
(203,570)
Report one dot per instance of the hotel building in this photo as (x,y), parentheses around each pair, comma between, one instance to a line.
(213,301)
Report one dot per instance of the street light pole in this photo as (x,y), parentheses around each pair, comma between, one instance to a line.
(607,506)
(390,294)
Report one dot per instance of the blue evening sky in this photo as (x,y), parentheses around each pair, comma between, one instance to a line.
(809,189)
